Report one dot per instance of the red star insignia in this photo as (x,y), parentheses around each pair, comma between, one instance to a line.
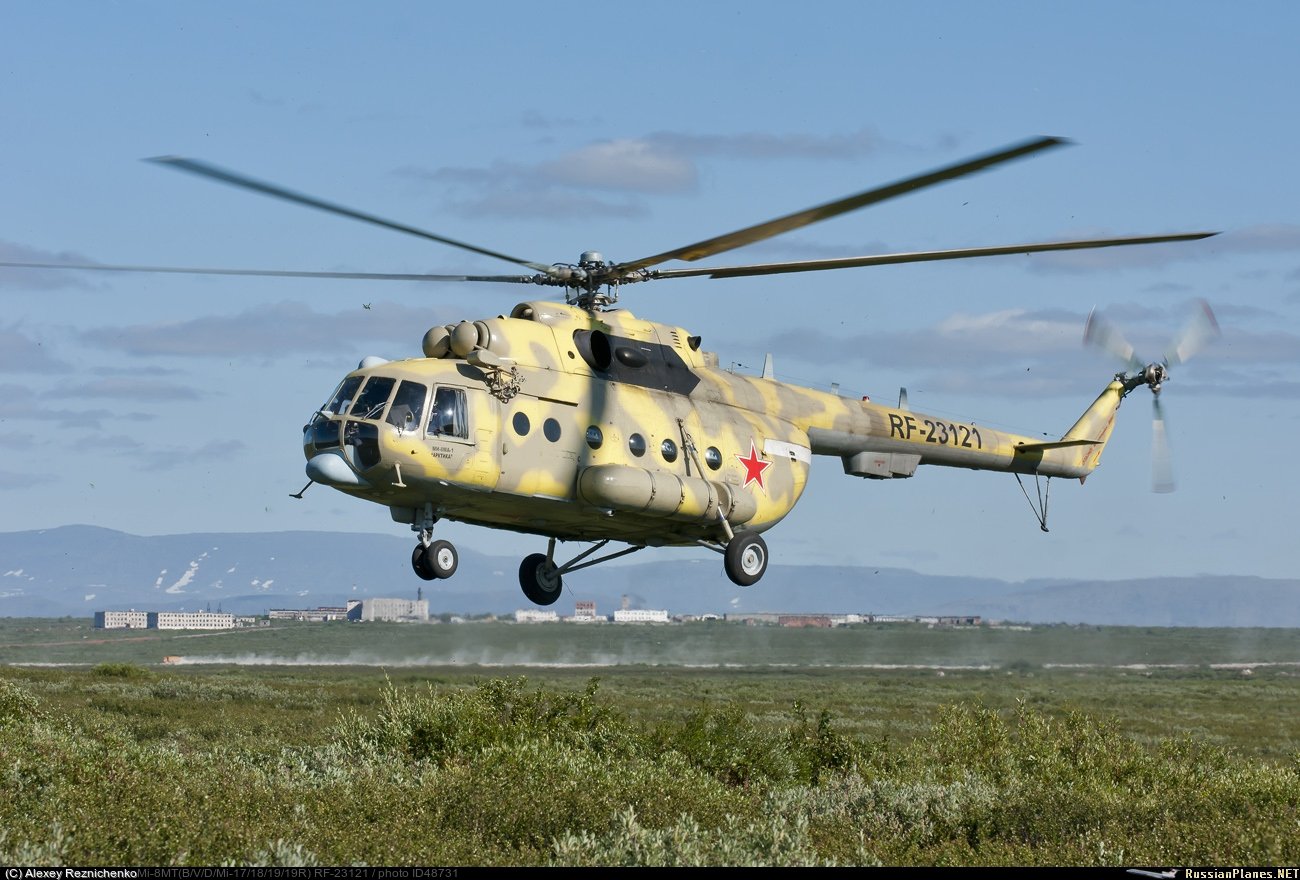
(754,466)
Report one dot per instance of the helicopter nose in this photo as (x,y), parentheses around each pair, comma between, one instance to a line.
(330,469)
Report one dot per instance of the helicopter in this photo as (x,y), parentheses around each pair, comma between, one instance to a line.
(577,421)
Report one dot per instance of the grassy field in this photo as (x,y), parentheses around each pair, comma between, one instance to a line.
(493,743)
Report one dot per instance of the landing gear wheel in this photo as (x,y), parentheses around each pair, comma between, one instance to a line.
(746,559)
(540,579)
(442,559)
(437,561)
(421,563)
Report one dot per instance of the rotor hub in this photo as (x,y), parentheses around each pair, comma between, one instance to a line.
(1155,375)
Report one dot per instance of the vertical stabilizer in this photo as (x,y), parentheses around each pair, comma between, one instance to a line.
(1096,424)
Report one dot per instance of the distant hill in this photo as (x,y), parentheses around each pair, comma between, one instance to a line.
(76,570)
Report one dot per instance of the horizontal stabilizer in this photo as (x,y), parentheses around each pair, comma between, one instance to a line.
(1056,444)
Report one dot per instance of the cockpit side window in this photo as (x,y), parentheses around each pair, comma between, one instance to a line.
(370,403)
(407,411)
(343,397)
(449,417)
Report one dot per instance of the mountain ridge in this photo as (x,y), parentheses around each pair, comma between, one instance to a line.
(79,569)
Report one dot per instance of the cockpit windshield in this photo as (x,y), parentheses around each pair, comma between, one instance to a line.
(343,397)
(409,408)
(407,411)
(370,402)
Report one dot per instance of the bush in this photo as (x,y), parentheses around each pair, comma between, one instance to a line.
(776,841)
(453,725)
(127,671)
(504,774)
(18,705)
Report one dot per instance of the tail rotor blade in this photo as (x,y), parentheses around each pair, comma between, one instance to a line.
(1200,330)
(1162,470)
(1107,337)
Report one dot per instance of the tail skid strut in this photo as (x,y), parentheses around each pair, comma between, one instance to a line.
(1044,488)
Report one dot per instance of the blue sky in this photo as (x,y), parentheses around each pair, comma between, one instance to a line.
(159,404)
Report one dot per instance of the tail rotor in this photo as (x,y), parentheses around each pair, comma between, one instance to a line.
(1199,331)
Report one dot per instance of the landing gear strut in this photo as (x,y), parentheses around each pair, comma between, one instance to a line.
(542,580)
(432,560)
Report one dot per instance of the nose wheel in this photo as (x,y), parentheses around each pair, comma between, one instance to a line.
(437,561)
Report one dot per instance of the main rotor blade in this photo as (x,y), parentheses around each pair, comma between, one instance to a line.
(1162,469)
(761,231)
(1106,336)
(273,273)
(1199,330)
(921,256)
(203,169)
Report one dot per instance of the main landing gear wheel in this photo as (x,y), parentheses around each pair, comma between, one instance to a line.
(437,561)
(540,579)
(746,559)
(421,564)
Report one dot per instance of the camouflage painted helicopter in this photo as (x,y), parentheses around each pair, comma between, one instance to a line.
(580,422)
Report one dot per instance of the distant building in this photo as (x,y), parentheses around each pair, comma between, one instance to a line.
(316,615)
(535,615)
(121,619)
(584,611)
(967,620)
(754,618)
(190,620)
(820,621)
(640,615)
(389,609)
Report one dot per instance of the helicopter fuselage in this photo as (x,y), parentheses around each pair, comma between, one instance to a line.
(597,425)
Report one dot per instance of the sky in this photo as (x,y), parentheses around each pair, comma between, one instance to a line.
(161,404)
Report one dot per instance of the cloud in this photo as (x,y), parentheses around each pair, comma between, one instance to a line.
(11,480)
(126,387)
(14,440)
(959,340)
(22,403)
(274,330)
(766,145)
(1262,238)
(628,164)
(1241,346)
(39,279)
(1252,388)
(662,163)
(547,206)
(1038,353)
(19,353)
(165,458)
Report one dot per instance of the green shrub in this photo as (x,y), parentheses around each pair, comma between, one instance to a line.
(18,705)
(724,742)
(128,671)
(772,842)
(444,726)
(212,769)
